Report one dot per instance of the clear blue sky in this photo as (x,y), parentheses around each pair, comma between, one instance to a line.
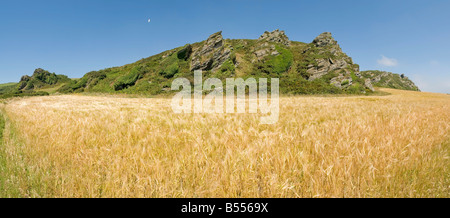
(74,37)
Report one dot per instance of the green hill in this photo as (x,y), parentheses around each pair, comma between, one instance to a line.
(41,79)
(303,68)
(7,87)
(390,80)
(318,67)
(40,83)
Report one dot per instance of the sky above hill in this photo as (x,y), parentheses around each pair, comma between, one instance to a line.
(73,37)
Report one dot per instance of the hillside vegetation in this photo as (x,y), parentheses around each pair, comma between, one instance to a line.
(390,80)
(38,84)
(319,67)
(303,68)
(361,146)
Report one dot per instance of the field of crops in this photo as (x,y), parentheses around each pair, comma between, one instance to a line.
(104,146)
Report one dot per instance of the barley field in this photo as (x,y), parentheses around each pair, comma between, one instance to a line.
(104,146)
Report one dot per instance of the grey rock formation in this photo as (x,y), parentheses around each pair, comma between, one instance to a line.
(211,55)
(338,61)
(325,39)
(341,81)
(264,50)
(276,36)
(331,59)
(325,66)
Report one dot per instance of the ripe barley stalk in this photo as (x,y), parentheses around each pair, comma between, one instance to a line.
(93,146)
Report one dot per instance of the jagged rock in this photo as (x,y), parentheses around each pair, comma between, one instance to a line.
(276,36)
(211,55)
(185,52)
(220,56)
(326,44)
(265,50)
(325,66)
(326,39)
(214,41)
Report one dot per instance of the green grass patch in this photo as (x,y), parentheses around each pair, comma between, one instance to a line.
(2,127)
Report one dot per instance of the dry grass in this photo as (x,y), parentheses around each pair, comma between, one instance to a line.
(90,146)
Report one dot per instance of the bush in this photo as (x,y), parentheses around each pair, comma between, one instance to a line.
(88,81)
(281,63)
(356,88)
(128,80)
(170,71)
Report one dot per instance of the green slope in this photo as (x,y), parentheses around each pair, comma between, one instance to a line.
(40,83)
(291,62)
(390,80)
(319,67)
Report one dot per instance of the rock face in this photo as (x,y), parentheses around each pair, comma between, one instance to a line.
(325,66)
(212,54)
(328,58)
(265,49)
(276,36)
(325,39)
(265,46)
(325,45)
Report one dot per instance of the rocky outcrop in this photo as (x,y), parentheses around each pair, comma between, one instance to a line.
(276,36)
(212,54)
(265,49)
(325,39)
(327,57)
(325,66)
(389,80)
(303,68)
(265,45)
(341,81)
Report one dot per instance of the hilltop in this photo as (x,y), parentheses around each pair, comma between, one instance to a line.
(303,68)
(318,67)
(38,84)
